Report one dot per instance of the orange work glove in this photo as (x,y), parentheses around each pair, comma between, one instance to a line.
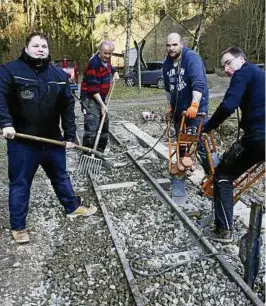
(192,110)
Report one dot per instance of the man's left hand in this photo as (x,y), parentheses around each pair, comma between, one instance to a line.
(70,145)
(193,110)
(116,77)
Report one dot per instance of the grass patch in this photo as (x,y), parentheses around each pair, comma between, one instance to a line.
(213,104)
(121,91)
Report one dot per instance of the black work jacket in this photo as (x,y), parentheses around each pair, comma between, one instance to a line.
(33,101)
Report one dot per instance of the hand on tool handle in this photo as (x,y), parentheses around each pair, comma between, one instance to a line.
(116,77)
(70,145)
(193,110)
(104,109)
(9,132)
(169,114)
(104,106)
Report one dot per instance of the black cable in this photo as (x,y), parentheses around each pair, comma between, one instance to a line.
(202,257)
(178,68)
(238,121)
(151,148)
(74,94)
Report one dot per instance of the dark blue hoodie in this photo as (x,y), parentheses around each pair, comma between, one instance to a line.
(191,76)
(247,91)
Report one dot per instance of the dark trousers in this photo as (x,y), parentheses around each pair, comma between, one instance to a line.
(243,154)
(24,160)
(92,120)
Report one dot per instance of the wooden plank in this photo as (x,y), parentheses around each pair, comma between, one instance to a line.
(161,149)
(116,186)
(119,165)
(163,180)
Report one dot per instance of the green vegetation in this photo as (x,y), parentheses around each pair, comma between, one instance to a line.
(213,104)
(123,92)
(75,27)
(2,146)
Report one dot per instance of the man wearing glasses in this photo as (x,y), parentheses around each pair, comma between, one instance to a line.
(246,91)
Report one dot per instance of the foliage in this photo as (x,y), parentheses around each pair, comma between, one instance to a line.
(242,24)
(4,47)
(71,24)
(124,92)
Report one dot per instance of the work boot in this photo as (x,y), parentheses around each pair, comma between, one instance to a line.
(221,235)
(21,236)
(83,211)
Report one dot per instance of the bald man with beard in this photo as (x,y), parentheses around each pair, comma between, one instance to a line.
(186,89)
(185,80)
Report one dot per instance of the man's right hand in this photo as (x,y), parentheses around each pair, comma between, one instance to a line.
(9,132)
(103,109)
(169,114)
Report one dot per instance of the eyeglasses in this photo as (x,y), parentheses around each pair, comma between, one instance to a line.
(227,63)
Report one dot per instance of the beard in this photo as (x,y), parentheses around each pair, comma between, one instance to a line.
(174,54)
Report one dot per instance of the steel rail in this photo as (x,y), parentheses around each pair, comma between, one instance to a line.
(127,270)
(228,269)
(139,301)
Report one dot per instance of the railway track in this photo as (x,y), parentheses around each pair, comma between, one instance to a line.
(165,256)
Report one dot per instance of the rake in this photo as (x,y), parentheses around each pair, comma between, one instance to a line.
(58,143)
(90,164)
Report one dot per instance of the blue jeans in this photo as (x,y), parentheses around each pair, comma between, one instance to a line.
(24,159)
(240,157)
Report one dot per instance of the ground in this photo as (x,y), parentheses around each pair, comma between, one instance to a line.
(57,244)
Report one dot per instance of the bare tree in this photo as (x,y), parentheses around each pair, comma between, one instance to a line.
(201,25)
(31,11)
(129,21)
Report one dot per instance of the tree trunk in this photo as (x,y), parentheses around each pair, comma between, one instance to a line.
(129,20)
(201,26)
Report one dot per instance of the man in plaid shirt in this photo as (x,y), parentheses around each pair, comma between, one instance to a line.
(94,88)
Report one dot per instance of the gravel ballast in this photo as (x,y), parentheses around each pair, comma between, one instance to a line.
(75,262)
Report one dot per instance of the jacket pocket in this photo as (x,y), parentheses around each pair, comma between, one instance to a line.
(53,90)
(26,89)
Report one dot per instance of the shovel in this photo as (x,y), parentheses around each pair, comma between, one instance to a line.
(90,164)
(57,142)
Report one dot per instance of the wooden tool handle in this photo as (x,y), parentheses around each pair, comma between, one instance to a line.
(57,142)
(103,118)
(212,141)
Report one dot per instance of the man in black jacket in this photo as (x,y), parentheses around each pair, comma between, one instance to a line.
(34,96)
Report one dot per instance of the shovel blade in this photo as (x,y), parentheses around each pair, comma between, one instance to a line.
(89,165)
